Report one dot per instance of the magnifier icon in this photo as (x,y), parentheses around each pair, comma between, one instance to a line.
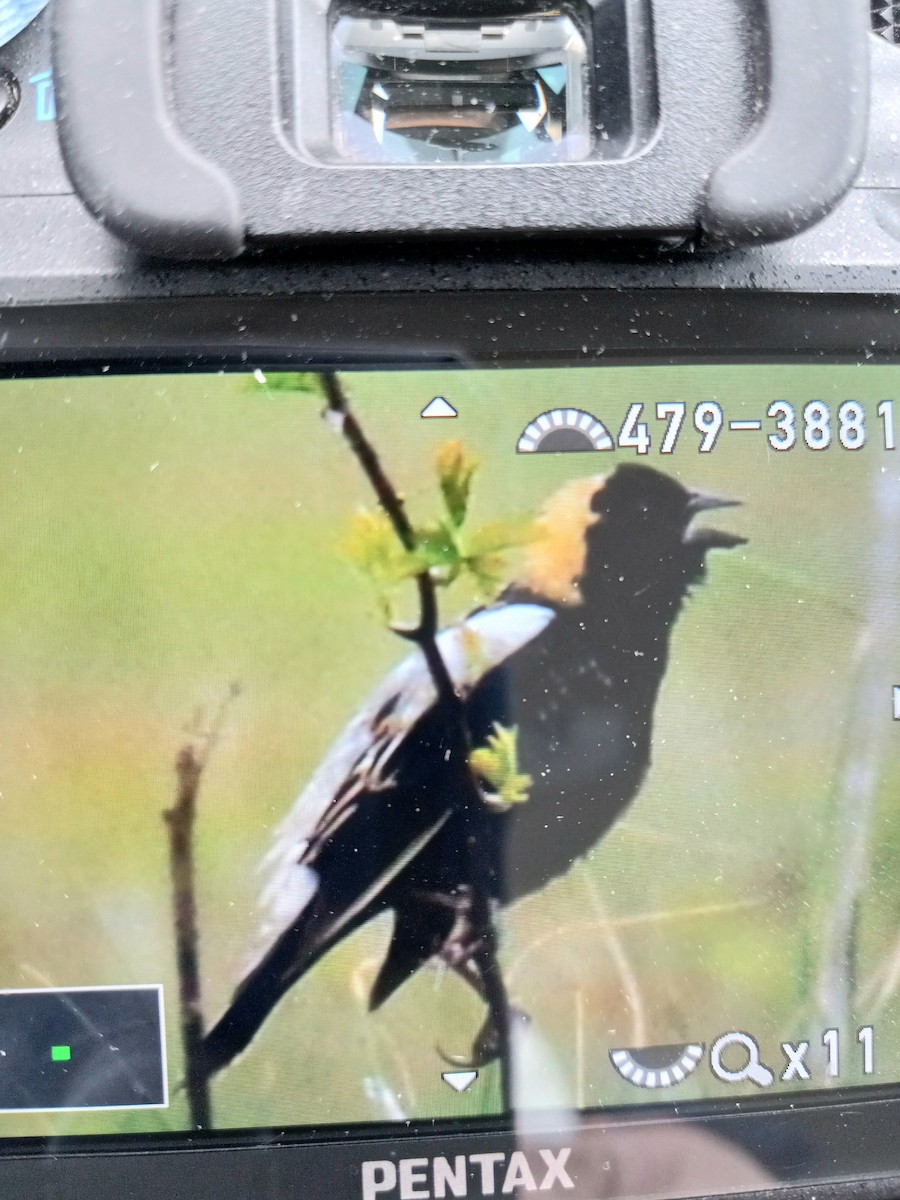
(754,1069)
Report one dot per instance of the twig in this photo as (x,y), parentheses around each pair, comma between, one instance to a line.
(425,636)
(180,818)
(180,822)
(471,801)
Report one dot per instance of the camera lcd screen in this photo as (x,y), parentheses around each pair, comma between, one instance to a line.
(446,739)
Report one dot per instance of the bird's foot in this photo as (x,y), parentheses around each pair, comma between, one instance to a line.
(486,1047)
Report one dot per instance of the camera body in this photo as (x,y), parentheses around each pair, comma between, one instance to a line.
(689,181)
(707,135)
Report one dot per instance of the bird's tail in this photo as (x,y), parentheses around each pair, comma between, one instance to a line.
(251,1003)
(288,959)
(328,918)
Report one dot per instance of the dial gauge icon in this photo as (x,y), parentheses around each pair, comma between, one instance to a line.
(562,431)
(657,1066)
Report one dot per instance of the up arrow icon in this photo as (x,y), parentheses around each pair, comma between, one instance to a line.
(460,1081)
(439,407)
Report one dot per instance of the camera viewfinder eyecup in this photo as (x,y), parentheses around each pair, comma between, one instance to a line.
(312,120)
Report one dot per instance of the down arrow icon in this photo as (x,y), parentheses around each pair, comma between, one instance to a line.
(460,1081)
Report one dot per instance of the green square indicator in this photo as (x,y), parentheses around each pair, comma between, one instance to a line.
(61,1053)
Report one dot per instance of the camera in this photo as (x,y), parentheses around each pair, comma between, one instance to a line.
(450,558)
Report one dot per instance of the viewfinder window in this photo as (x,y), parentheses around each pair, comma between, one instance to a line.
(467,92)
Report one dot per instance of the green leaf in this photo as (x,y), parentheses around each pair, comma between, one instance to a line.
(303,382)
(497,536)
(456,469)
(485,550)
(442,547)
(436,545)
(372,546)
(437,550)
(497,763)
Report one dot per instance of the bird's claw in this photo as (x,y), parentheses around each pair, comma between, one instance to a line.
(486,1047)
(464,1061)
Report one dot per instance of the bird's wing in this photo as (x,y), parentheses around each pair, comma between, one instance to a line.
(354,767)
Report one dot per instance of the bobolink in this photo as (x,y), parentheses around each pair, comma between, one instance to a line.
(571,657)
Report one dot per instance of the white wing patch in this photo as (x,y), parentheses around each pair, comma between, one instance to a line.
(356,759)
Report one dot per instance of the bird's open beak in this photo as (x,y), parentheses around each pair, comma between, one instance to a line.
(711,539)
(704,502)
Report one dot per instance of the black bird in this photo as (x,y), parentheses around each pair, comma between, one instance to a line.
(572,657)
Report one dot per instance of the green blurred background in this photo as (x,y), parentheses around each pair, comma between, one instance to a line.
(164,537)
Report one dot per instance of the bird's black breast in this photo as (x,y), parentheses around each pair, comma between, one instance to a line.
(582,703)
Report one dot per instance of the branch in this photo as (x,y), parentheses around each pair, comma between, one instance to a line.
(180,821)
(180,818)
(471,801)
(425,635)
